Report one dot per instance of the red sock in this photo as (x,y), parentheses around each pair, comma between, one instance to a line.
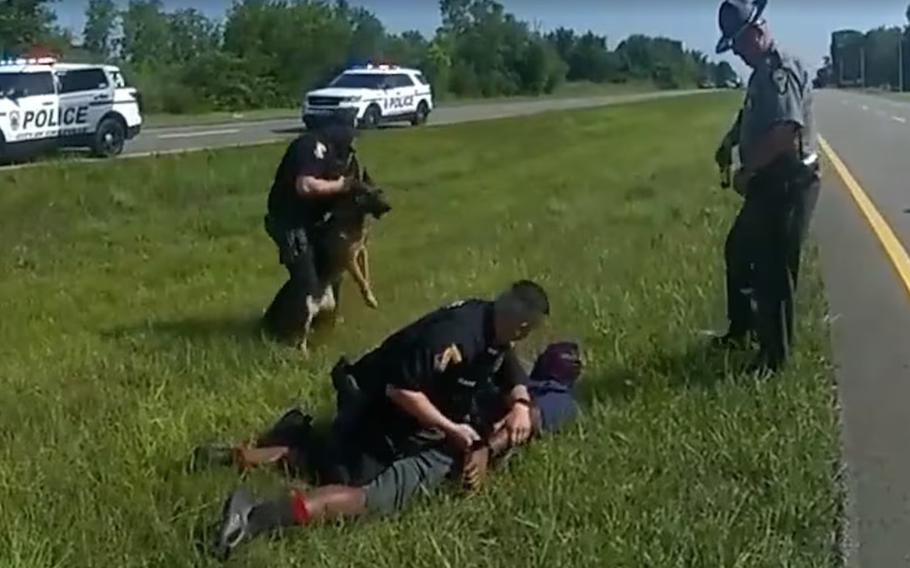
(299,508)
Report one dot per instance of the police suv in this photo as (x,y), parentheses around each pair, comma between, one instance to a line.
(371,95)
(45,105)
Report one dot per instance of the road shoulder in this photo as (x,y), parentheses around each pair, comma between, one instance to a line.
(870,313)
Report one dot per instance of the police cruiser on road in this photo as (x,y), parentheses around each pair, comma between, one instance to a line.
(46,105)
(371,95)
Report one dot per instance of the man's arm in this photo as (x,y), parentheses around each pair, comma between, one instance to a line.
(309,186)
(309,165)
(424,411)
(407,392)
(511,378)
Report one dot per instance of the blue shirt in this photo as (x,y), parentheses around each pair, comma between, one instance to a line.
(555,401)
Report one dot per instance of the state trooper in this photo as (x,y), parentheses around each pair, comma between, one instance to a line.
(779,179)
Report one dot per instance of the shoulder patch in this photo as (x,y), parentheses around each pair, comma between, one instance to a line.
(450,354)
(779,77)
(320,150)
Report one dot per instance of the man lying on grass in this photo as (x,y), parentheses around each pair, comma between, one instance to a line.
(405,414)
(552,405)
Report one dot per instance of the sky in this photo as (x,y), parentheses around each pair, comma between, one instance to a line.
(802,27)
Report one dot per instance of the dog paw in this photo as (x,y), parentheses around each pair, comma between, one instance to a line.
(371,301)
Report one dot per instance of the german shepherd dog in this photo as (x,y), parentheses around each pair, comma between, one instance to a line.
(342,244)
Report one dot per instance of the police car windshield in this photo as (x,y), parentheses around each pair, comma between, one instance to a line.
(359,81)
(8,82)
(26,83)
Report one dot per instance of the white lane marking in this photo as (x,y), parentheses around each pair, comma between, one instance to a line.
(900,119)
(197,134)
(864,107)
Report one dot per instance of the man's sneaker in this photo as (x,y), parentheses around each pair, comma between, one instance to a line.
(235,524)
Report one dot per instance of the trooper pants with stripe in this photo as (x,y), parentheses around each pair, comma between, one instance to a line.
(763,253)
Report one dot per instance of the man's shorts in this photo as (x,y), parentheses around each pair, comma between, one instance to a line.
(394,488)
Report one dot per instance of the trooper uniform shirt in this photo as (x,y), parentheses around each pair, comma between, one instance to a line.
(779,90)
(449,355)
(307,155)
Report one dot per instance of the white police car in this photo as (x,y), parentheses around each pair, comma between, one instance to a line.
(45,105)
(371,95)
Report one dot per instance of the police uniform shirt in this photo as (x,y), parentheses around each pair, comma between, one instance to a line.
(305,156)
(449,355)
(779,90)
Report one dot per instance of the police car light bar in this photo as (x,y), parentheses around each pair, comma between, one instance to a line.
(31,61)
(371,65)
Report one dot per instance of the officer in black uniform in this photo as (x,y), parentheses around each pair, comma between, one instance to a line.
(407,413)
(307,184)
(779,179)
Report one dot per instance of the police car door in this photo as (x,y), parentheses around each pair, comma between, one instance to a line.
(34,106)
(85,95)
(405,102)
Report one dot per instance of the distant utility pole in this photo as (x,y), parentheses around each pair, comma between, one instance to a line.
(862,64)
(900,63)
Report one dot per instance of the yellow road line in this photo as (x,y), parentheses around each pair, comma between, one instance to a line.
(886,236)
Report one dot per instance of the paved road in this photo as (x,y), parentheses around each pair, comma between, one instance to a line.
(871,334)
(214,135)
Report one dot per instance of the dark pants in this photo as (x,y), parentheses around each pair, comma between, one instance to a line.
(762,253)
(288,313)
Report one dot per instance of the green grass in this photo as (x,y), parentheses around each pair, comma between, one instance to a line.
(569,90)
(130,291)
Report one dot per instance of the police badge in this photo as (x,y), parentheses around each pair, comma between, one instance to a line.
(779,76)
(14,120)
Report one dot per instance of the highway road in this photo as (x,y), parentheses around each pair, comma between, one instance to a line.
(870,305)
(155,140)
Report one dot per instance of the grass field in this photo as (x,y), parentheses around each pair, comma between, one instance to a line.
(569,90)
(130,292)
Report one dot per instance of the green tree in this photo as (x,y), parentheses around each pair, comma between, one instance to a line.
(190,35)
(24,23)
(368,35)
(145,32)
(100,19)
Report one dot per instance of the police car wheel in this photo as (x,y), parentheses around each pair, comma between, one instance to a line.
(420,117)
(371,117)
(109,138)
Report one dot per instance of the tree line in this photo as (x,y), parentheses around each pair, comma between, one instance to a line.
(266,53)
(877,58)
